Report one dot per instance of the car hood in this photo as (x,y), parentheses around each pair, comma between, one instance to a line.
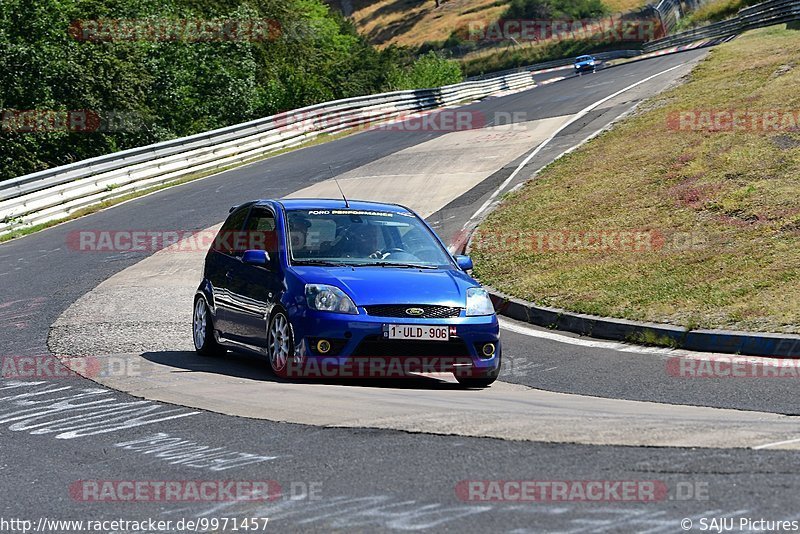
(390,285)
(584,62)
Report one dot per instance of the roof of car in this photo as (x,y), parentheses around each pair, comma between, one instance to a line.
(330,203)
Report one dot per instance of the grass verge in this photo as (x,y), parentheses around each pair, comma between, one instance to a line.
(713,11)
(653,221)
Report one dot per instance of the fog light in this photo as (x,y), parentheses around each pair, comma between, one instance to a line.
(323,346)
(488,350)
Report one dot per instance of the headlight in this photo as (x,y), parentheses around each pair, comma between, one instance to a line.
(478,302)
(591,63)
(323,297)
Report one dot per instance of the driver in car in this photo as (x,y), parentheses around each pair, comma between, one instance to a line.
(298,232)
(362,242)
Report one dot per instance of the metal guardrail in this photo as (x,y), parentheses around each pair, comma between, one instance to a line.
(58,192)
(760,15)
(670,12)
(614,54)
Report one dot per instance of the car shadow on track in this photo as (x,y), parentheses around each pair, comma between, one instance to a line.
(251,367)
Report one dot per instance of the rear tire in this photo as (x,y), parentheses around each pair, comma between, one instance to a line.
(203,330)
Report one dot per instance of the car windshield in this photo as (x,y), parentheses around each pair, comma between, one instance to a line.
(362,238)
(583,58)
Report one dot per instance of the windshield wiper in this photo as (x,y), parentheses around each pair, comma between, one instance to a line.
(321,263)
(393,264)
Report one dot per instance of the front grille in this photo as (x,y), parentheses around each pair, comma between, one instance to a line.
(399,310)
(374,346)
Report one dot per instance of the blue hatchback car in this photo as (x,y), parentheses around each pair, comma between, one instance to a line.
(331,288)
(585,64)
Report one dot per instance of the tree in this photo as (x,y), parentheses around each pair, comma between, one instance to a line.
(177,88)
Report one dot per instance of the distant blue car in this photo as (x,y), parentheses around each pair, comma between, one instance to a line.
(330,288)
(585,64)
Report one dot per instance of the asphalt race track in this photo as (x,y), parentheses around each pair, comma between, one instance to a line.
(370,457)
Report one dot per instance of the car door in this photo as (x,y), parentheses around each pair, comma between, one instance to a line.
(254,289)
(220,261)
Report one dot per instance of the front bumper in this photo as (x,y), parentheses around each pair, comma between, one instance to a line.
(359,349)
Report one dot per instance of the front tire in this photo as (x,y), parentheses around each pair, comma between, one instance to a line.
(476,381)
(203,329)
(480,381)
(280,345)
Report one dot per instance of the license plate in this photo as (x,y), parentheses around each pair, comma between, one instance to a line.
(416,332)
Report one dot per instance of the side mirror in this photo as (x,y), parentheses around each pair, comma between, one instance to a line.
(464,263)
(259,258)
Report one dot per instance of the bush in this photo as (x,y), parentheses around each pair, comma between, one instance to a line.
(579,9)
(528,9)
(558,9)
(180,88)
(429,70)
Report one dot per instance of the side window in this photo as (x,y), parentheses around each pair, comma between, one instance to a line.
(260,232)
(231,231)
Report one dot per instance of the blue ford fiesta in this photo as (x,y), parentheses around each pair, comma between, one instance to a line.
(332,288)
